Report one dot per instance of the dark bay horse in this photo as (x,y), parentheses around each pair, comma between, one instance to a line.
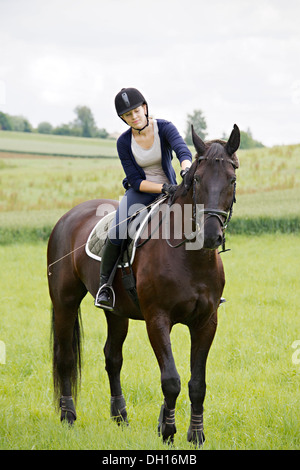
(174,285)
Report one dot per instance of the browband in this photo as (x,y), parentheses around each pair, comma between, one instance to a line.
(219,159)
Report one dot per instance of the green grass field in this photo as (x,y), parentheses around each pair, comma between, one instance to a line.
(252,397)
(44,144)
(253,382)
(35,192)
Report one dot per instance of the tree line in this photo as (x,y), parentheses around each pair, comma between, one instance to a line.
(199,122)
(84,126)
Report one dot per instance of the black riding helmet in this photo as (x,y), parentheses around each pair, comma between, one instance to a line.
(128,99)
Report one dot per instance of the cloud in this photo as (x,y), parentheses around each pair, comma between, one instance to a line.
(237,61)
(58,81)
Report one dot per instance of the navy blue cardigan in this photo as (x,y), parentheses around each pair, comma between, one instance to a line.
(170,139)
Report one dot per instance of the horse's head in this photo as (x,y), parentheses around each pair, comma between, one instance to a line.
(212,176)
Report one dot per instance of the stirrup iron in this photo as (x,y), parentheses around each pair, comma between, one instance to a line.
(106,307)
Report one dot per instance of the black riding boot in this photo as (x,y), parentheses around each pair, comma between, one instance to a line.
(105,295)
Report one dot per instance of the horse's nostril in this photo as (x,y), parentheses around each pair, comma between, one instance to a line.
(220,239)
(213,243)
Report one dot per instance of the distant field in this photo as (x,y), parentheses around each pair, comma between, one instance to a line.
(29,184)
(36,191)
(56,145)
(265,169)
(269,169)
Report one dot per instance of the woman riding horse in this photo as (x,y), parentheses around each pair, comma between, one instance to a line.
(145,151)
(209,188)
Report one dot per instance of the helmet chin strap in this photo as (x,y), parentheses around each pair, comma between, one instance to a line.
(140,130)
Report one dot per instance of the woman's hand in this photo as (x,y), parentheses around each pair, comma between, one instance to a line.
(169,189)
(185,166)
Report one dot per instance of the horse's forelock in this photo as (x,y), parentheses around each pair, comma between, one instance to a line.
(216,149)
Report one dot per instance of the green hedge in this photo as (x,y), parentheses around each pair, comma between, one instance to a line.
(259,225)
(237,226)
(24,235)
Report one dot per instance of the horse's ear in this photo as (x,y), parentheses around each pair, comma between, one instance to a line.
(233,141)
(198,143)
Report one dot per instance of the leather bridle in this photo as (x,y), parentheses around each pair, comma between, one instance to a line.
(210,212)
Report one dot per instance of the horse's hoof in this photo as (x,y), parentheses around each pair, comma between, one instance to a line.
(197,439)
(121,419)
(118,411)
(68,412)
(195,433)
(166,424)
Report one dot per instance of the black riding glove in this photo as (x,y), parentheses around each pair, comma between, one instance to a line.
(169,189)
(184,172)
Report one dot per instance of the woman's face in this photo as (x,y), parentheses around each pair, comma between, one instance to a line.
(136,117)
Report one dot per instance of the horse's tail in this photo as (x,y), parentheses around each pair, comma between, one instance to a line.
(75,376)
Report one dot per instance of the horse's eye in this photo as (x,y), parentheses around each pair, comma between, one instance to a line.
(233,180)
(197,178)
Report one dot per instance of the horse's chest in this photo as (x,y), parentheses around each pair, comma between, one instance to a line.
(171,285)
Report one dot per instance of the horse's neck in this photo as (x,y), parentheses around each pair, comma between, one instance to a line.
(185,213)
(194,255)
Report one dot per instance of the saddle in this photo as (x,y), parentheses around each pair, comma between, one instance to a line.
(96,241)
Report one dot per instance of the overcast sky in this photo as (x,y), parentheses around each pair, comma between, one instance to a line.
(236,60)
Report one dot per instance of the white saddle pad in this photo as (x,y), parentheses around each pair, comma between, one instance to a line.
(96,240)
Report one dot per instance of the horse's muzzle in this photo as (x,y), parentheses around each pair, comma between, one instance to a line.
(213,233)
(213,242)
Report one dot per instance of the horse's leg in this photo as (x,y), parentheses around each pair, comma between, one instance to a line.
(159,328)
(117,328)
(67,351)
(201,340)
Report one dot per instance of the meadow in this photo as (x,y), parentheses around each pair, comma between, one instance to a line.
(252,399)
(253,373)
(44,144)
(36,190)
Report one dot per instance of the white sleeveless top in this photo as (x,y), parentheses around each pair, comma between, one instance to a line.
(150,159)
